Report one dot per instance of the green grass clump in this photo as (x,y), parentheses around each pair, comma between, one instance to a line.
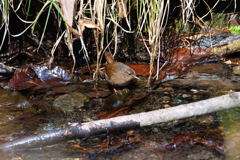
(235,30)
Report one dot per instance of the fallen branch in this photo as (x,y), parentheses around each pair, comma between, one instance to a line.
(231,100)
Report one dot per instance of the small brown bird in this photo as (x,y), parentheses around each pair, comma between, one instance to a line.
(117,73)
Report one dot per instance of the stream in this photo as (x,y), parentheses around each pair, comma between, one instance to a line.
(210,136)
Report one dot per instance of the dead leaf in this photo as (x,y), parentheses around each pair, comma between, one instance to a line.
(142,69)
(122,9)
(24,78)
(29,118)
(41,75)
(67,7)
(188,55)
(86,23)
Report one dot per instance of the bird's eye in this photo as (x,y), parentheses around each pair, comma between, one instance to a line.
(129,73)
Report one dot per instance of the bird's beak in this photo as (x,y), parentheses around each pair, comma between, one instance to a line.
(137,78)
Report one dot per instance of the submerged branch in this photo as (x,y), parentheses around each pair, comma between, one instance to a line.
(231,100)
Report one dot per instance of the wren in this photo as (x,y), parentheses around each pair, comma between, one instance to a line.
(117,73)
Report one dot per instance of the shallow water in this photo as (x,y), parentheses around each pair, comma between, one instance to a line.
(20,117)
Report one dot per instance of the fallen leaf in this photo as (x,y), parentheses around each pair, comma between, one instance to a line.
(142,69)
(67,7)
(86,23)
(187,55)
(24,78)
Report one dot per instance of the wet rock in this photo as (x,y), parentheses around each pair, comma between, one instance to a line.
(71,102)
(165,89)
(204,155)
(208,68)
(12,105)
(235,78)
(236,70)
(166,99)
(166,106)
(205,119)
(15,99)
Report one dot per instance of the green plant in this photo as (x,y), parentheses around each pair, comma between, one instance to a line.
(235,30)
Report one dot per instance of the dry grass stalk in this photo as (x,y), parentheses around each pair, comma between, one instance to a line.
(157,12)
(99,12)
